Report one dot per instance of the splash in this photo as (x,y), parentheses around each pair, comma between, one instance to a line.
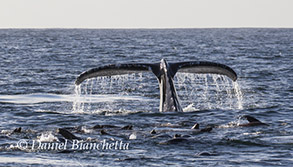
(190,108)
(235,123)
(47,137)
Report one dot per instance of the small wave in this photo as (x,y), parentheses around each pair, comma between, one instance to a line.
(279,139)
(109,112)
(44,98)
(242,142)
(39,161)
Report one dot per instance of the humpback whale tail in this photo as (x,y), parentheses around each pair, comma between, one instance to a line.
(164,72)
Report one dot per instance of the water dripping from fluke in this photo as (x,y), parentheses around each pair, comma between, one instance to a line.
(133,92)
(209,91)
(115,94)
(239,95)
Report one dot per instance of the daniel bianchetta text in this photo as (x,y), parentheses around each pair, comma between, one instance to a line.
(72,145)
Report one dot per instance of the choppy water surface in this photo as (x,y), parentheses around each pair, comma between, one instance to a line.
(39,67)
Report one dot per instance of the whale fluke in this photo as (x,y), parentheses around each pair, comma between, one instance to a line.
(164,72)
(199,67)
(204,67)
(115,69)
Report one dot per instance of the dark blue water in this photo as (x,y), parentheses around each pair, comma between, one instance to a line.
(37,93)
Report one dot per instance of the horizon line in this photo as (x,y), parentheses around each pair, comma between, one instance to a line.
(240,27)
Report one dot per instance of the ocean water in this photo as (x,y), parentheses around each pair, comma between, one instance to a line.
(37,93)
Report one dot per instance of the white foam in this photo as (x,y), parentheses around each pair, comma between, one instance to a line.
(47,137)
(86,130)
(133,136)
(190,108)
